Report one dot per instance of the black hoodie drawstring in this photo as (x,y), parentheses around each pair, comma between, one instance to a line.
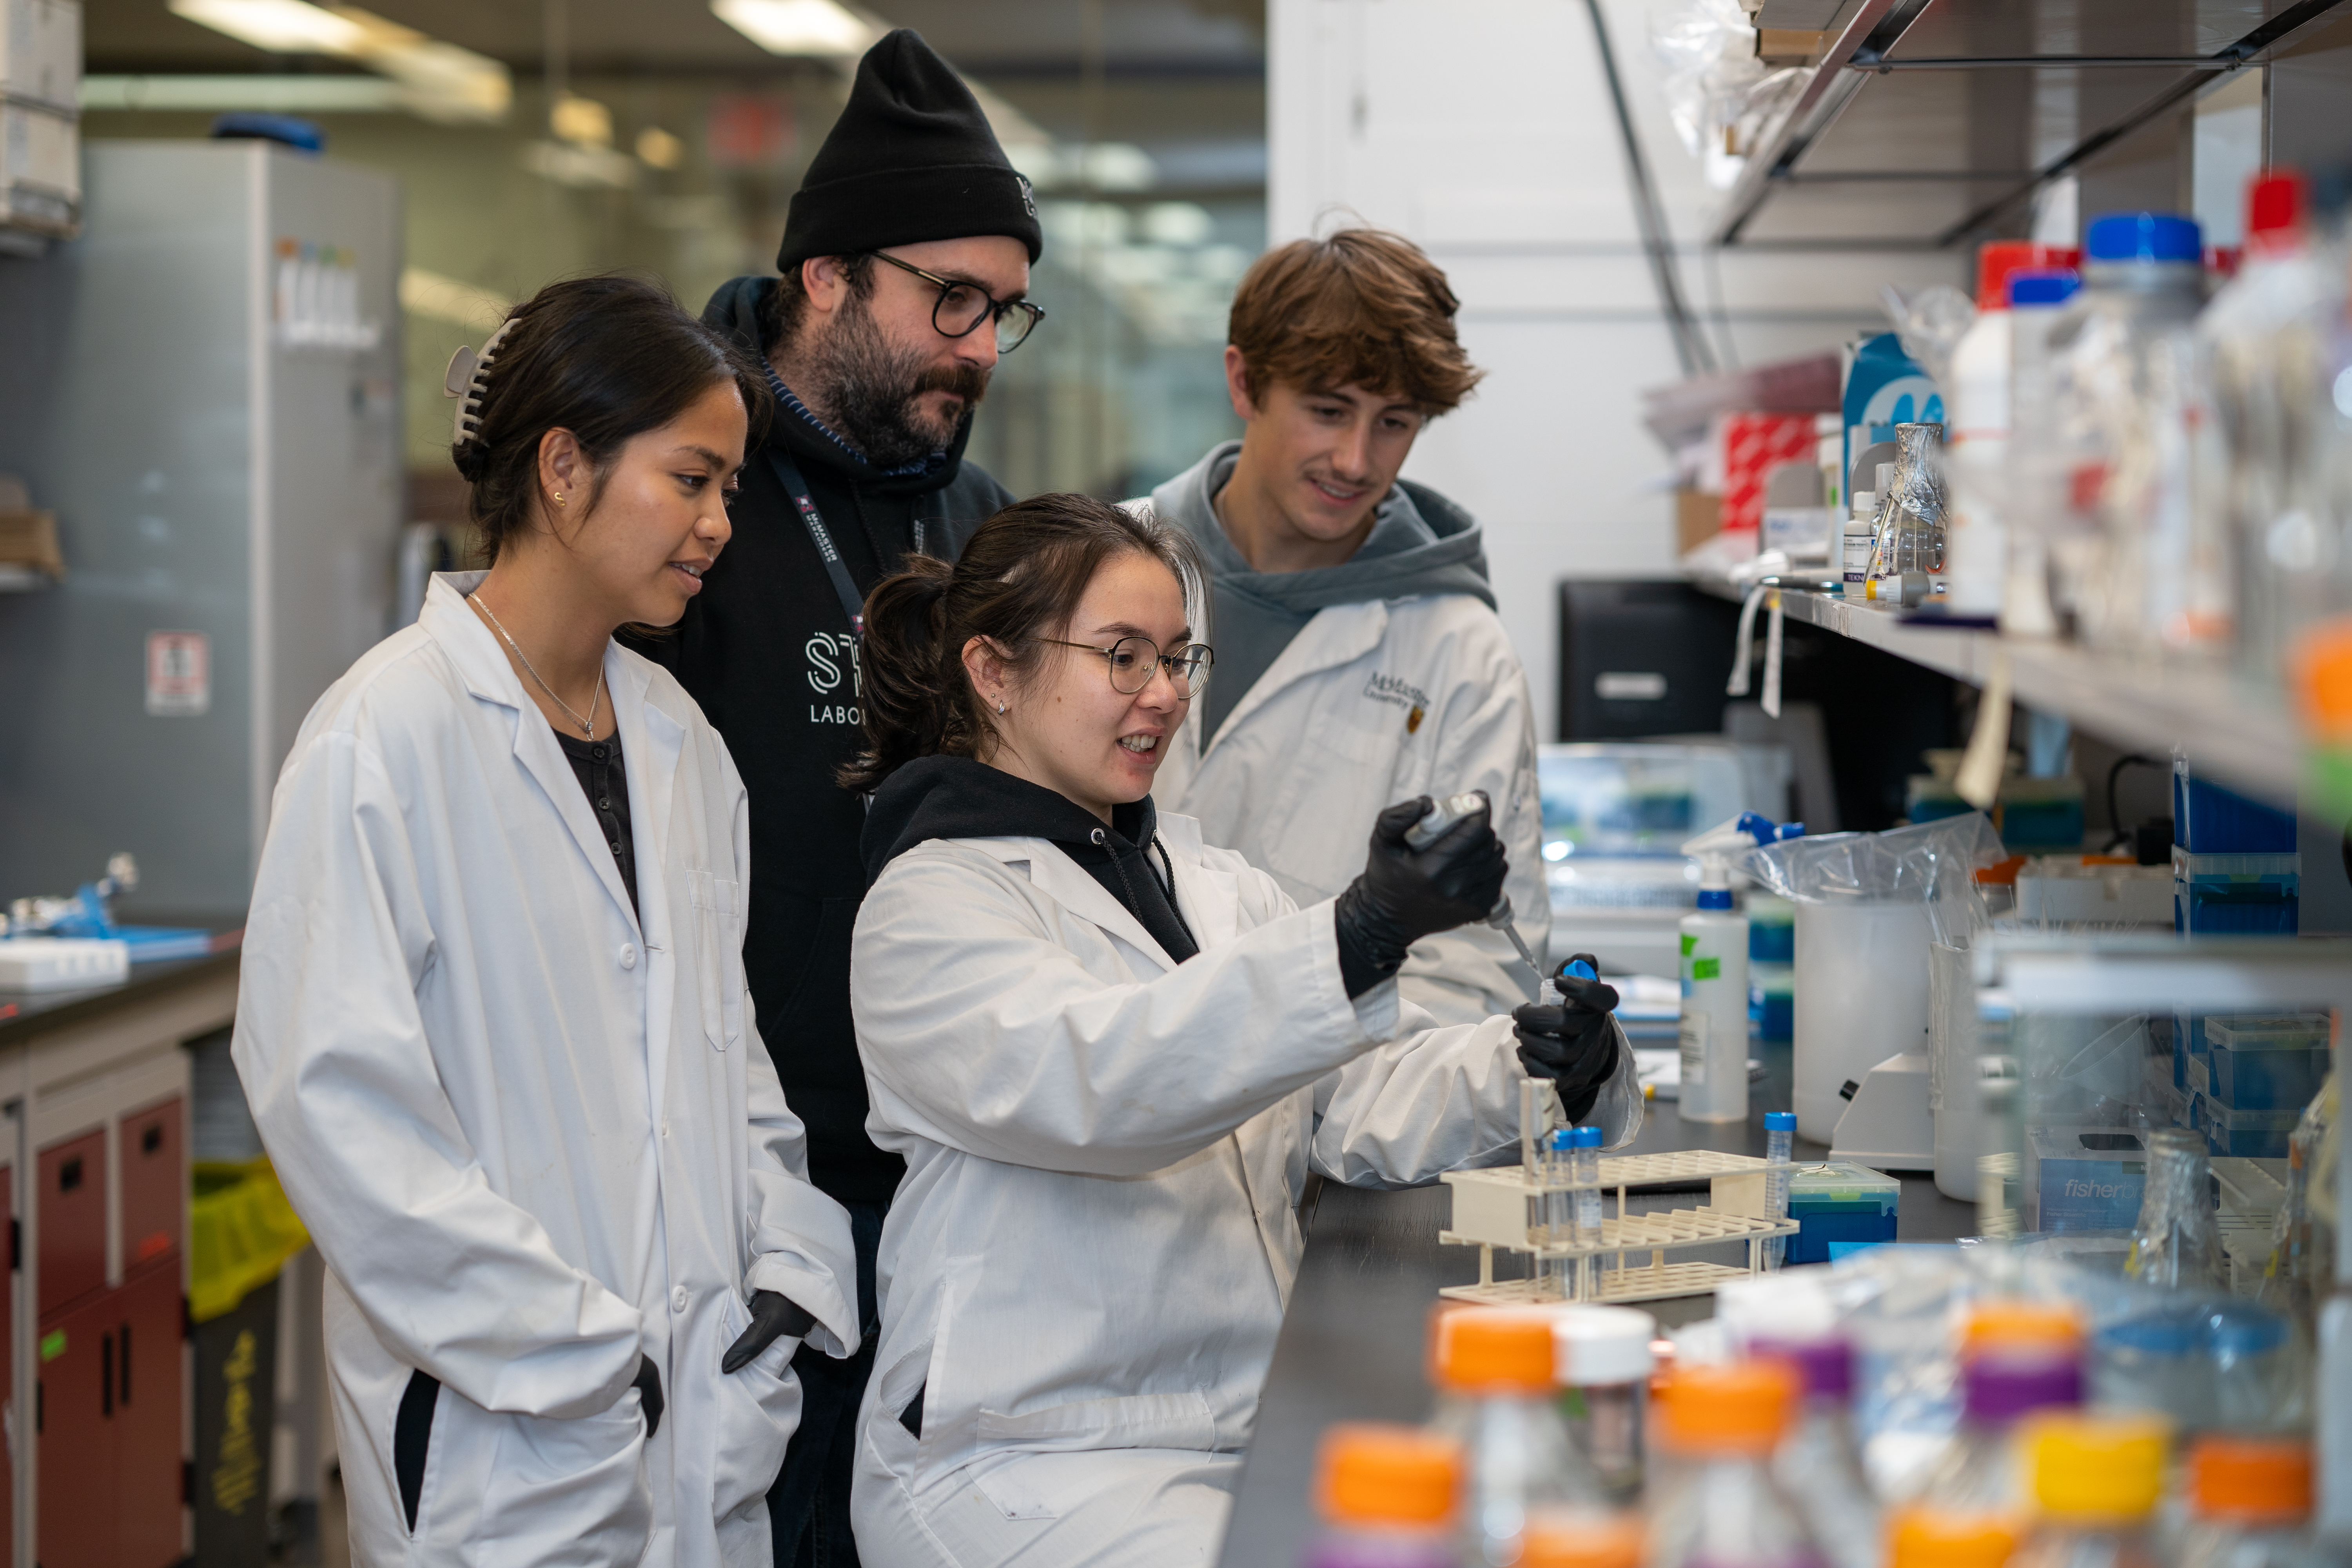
(1101,841)
(1173,908)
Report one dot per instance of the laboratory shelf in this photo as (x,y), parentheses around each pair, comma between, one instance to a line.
(2244,733)
(1946,117)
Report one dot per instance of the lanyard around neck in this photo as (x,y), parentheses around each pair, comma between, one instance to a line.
(844,586)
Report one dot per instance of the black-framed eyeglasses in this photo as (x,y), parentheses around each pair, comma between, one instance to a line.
(963,306)
(1131,660)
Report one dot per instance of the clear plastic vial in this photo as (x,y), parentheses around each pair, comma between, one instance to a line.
(1556,1225)
(1584,1167)
(1779,1154)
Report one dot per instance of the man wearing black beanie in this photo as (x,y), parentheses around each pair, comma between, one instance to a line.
(905,260)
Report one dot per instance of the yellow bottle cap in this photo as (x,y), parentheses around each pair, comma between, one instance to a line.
(2091,1470)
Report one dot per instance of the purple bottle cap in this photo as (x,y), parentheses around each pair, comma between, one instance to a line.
(1826,1364)
(2000,1389)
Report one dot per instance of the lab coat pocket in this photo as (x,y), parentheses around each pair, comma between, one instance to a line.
(718,909)
(569,1491)
(759,1408)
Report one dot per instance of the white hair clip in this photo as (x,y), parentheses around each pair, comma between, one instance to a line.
(463,381)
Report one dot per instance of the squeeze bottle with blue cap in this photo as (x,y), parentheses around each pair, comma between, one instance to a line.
(1714,985)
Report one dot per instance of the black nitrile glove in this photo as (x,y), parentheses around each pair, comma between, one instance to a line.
(1406,894)
(649,1398)
(772,1315)
(1571,1044)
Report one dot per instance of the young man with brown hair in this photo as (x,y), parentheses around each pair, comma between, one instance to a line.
(1359,659)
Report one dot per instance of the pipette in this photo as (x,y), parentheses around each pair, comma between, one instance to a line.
(1433,826)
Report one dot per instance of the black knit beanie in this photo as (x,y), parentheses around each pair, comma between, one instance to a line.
(910,159)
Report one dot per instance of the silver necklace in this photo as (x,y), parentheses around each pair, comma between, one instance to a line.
(587,725)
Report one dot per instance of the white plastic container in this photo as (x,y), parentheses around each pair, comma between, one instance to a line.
(1976,540)
(1715,1010)
(1855,543)
(62,963)
(1861,997)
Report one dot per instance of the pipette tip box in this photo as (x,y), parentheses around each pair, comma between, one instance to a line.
(1838,1207)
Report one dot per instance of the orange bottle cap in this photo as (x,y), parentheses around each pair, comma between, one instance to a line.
(1740,1409)
(1930,1538)
(1582,1539)
(1493,1349)
(2008,1326)
(2251,1478)
(1371,1473)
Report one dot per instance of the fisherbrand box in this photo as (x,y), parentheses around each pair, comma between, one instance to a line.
(2086,1178)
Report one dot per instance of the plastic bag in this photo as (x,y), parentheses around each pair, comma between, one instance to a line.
(1723,100)
(1934,863)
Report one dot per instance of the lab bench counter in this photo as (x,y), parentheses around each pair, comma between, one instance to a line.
(199,981)
(1351,1343)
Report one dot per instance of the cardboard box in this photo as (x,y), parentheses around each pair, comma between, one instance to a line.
(1699,517)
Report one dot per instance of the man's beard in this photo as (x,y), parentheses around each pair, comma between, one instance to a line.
(874,387)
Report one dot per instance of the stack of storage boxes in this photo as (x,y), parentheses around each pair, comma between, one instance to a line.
(2256,1076)
(2235,868)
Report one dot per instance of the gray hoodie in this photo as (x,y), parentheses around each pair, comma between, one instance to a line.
(1419,544)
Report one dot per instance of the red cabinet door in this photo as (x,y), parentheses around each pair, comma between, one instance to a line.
(8,1377)
(148,1364)
(80,1519)
(153,1157)
(72,1206)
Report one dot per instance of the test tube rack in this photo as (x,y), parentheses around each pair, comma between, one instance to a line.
(1502,1207)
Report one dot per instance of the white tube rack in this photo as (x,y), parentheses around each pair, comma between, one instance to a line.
(1500,1208)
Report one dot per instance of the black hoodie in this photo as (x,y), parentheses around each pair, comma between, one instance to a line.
(955,797)
(767,652)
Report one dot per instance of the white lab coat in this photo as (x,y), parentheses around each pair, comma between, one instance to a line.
(1374,703)
(532,1136)
(1096,1237)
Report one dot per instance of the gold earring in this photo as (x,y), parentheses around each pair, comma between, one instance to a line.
(559,498)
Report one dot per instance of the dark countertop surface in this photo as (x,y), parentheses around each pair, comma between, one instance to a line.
(1351,1343)
(24,1014)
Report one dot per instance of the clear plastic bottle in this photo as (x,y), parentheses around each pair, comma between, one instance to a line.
(2301,1268)
(1603,1358)
(1498,1400)
(2177,1245)
(2269,359)
(2096,1482)
(1557,1276)
(2249,1505)
(2020,1359)
(2140,570)
(1780,1154)
(1819,1463)
(1385,1495)
(1718,1505)
(1977,437)
(2033,489)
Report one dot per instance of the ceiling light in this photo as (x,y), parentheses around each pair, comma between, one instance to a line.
(281,26)
(658,148)
(822,28)
(441,81)
(582,122)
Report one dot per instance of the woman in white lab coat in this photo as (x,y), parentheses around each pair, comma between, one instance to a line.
(493,1021)
(1111,1054)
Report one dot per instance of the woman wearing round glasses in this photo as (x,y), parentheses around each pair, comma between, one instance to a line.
(1111,1054)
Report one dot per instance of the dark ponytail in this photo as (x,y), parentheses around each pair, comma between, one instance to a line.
(606,358)
(1019,580)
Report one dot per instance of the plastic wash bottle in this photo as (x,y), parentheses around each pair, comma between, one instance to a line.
(1715,977)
